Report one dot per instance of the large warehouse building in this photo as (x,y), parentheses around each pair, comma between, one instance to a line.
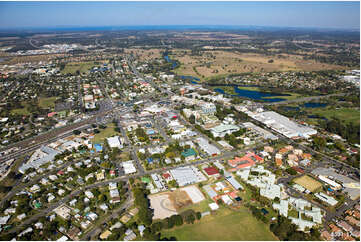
(284,125)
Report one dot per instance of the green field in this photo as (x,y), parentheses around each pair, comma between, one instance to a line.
(225,225)
(291,97)
(21,111)
(47,102)
(104,133)
(344,114)
(82,67)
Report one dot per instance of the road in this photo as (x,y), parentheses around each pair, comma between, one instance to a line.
(96,230)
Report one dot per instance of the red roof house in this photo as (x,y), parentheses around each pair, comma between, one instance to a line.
(211,171)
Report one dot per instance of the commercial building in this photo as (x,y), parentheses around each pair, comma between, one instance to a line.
(129,167)
(187,175)
(114,142)
(207,147)
(262,132)
(284,125)
(223,129)
(40,157)
(209,108)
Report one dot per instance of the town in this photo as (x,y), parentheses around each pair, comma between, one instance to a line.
(123,141)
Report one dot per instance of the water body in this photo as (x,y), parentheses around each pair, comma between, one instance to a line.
(254,95)
(290,108)
(192,79)
(316,117)
(174,63)
(314,105)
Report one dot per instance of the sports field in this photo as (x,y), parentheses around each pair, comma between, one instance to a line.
(225,225)
(308,182)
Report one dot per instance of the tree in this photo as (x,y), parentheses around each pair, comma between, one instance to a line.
(192,119)
(198,215)
(76,132)
(190,218)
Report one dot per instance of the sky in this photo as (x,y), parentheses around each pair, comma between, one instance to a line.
(344,15)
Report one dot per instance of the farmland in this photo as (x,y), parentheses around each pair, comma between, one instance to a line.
(216,63)
(145,54)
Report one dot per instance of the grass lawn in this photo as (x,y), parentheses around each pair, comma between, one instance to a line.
(224,225)
(344,114)
(291,97)
(21,111)
(82,67)
(198,207)
(47,102)
(104,133)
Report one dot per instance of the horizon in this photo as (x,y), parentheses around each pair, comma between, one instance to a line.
(171,28)
(55,15)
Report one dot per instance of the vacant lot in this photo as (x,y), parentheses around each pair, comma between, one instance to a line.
(308,182)
(215,63)
(109,131)
(224,225)
(162,205)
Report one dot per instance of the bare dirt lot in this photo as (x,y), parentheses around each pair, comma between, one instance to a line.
(218,62)
(308,182)
(168,203)
(162,205)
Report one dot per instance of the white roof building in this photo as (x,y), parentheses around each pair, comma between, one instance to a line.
(213,206)
(226,199)
(284,125)
(89,194)
(114,142)
(128,167)
(223,129)
(207,147)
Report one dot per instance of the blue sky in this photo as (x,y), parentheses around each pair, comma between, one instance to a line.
(283,14)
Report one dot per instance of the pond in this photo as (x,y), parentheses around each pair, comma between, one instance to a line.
(314,105)
(174,63)
(255,95)
(192,79)
(316,117)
